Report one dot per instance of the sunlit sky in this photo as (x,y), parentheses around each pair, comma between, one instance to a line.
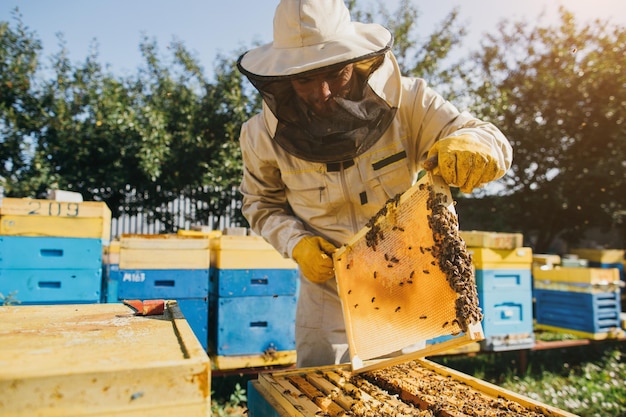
(211,27)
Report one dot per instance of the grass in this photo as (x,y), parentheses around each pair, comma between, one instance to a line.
(586,380)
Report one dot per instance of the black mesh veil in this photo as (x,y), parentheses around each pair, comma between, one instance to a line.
(358,123)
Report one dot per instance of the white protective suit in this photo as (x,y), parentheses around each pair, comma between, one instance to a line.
(286,198)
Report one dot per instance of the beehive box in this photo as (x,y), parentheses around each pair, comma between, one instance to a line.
(254,282)
(486,258)
(416,388)
(246,252)
(100,360)
(40,286)
(589,315)
(406,277)
(545,260)
(111,253)
(600,256)
(506,300)
(492,240)
(35,252)
(574,276)
(170,251)
(34,217)
(252,325)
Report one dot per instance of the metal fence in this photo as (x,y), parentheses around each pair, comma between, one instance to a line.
(183,213)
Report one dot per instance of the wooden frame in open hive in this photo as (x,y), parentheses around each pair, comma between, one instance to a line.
(417,388)
(406,278)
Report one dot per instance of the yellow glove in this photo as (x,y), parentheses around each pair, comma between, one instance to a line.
(314,256)
(464,162)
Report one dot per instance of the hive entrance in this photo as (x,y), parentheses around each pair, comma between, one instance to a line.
(394,282)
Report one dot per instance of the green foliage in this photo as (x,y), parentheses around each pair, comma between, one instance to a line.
(429,57)
(141,141)
(19,103)
(591,389)
(557,93)
(136,142)
(234,405)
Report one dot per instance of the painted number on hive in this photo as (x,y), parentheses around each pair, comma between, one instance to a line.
(53,208)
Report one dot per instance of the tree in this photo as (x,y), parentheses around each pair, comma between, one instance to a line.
(93,140)
(428,57)
(19,104)
(558,94)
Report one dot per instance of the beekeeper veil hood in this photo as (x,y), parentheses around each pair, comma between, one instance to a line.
(310,37)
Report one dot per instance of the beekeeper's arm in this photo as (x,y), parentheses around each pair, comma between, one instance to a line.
(266,208)
(469,152)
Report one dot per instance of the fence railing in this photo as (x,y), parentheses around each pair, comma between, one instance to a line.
(183,213)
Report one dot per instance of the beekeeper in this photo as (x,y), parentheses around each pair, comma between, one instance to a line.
(341,132)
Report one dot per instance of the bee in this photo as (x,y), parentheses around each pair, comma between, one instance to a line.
(373,298)
(375,274)
(412,274)
(397,309)
(423,317)
(444,325)
(426,271)
(349,292)
(356,305)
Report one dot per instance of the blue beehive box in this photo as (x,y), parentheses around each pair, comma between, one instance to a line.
(505,296)
(110,279)
(196,312)
(52,286)
(591,313)
(189,287)
(253,282)
(504,281)
(252,325)
(172,284)
(31,252)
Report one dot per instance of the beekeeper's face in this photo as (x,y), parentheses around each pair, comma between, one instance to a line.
(318,90)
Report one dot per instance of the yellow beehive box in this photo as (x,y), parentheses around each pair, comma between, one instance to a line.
(111,253)
(200,233)
(589,276)
(545,260)
(541,284)
(33,217)
(100,360)
(486,258)
(169,251)
(603,256)
(246,252)
(277,358)
(493,240)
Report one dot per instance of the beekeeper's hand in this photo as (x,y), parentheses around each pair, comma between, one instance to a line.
(464,162)
(314,256)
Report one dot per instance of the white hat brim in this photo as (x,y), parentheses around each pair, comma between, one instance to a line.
(363,40)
